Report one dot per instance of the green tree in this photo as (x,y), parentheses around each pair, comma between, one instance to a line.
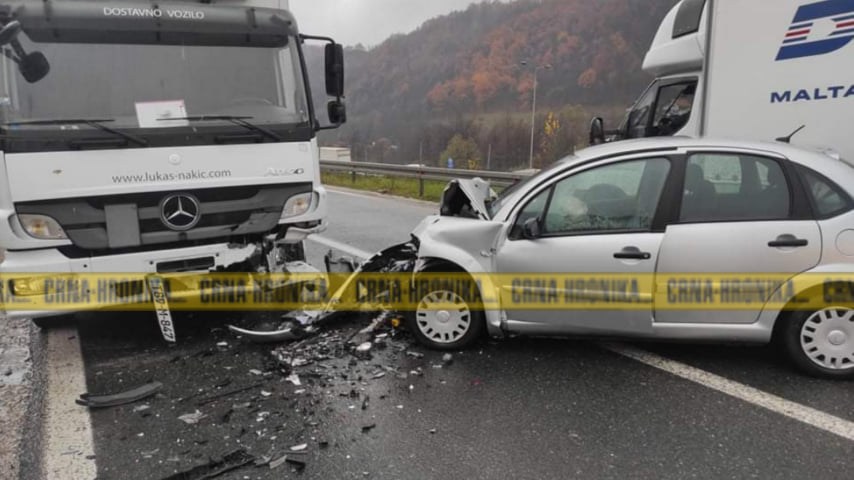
(464,151)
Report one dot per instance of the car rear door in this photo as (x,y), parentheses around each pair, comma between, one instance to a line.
(740,214)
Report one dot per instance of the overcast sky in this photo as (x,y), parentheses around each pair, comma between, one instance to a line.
(368,22)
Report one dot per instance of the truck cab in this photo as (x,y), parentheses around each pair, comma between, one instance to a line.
(675,59)
(156,138)
(749,70)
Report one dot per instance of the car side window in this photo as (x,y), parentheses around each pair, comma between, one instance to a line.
(730,187)
(828,198)
(617,197)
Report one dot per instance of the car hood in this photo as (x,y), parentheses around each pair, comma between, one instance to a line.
(467,198)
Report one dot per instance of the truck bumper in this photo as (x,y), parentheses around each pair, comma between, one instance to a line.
(52,261)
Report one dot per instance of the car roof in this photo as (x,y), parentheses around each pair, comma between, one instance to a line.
(811,157)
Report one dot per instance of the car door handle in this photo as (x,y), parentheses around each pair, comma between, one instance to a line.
(788,240)
(632,253)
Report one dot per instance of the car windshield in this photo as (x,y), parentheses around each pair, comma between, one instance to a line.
(142,86)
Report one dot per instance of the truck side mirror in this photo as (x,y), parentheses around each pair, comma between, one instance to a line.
(334,59)
(337,112)
(9,32)
(597,131)
(531,229)
(33,66)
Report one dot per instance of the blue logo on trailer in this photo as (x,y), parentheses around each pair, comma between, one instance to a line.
(799,42)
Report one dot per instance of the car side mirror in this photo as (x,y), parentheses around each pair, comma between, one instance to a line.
(597,131)
(337,112)
(334,60)
(531,229)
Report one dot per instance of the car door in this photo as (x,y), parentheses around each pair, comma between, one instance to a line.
(596,222)
(739,214)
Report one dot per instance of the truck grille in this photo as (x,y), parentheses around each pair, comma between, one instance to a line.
(121,222)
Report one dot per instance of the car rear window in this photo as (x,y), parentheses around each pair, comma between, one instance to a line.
(828,199)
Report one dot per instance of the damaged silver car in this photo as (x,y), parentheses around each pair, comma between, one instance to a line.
(656,208)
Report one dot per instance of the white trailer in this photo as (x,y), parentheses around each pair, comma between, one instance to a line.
(750,69)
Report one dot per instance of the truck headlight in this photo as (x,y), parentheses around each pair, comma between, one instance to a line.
(297,205)
(42,227)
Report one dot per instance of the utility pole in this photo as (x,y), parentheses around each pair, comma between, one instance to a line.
(534,109)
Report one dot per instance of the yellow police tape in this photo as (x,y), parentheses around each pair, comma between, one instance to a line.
(408,292)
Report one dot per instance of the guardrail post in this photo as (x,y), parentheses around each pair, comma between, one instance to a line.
(420,184)
(353,177)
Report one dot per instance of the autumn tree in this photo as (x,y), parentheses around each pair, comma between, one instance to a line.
(464,151)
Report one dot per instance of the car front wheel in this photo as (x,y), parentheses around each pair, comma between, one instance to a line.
(821,342)
(445,320)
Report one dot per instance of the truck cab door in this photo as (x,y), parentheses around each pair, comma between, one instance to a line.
(664,109)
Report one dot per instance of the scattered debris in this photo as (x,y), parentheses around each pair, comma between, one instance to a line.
(368,427)
(447,359)
(222,344)
(278,462)
(256,372)
(414,354)
(293,378)
(298,463)
(217,396)
(141,408)
(363,351)
(216,467)
(299,448)
(192,418)
(116,399)
(289,333)
(432,430)
(265,393)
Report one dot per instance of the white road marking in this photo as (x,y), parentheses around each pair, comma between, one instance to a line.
(348,249)
(68,436)
(810,416)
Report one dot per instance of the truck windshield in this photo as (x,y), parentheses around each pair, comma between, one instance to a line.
(140,87)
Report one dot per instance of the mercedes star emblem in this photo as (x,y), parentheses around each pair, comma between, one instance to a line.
(180,212)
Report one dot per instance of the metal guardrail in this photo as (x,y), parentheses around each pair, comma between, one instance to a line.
(500,179)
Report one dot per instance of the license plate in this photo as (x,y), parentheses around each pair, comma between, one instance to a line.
(161,308)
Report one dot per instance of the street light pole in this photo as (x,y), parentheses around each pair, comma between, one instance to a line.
(534,111)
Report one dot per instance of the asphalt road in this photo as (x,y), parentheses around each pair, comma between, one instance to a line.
(517,408)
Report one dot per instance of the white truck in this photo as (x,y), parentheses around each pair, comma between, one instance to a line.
(156,137)
(749,69)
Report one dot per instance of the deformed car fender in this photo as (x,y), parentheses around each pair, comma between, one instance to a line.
(469,244)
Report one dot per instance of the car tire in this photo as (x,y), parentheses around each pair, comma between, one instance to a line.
(820,343)
(446,328)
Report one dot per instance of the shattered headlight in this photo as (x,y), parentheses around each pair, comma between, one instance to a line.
(42,227)
(297,205)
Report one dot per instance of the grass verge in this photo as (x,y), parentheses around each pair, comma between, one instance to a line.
(400,186)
